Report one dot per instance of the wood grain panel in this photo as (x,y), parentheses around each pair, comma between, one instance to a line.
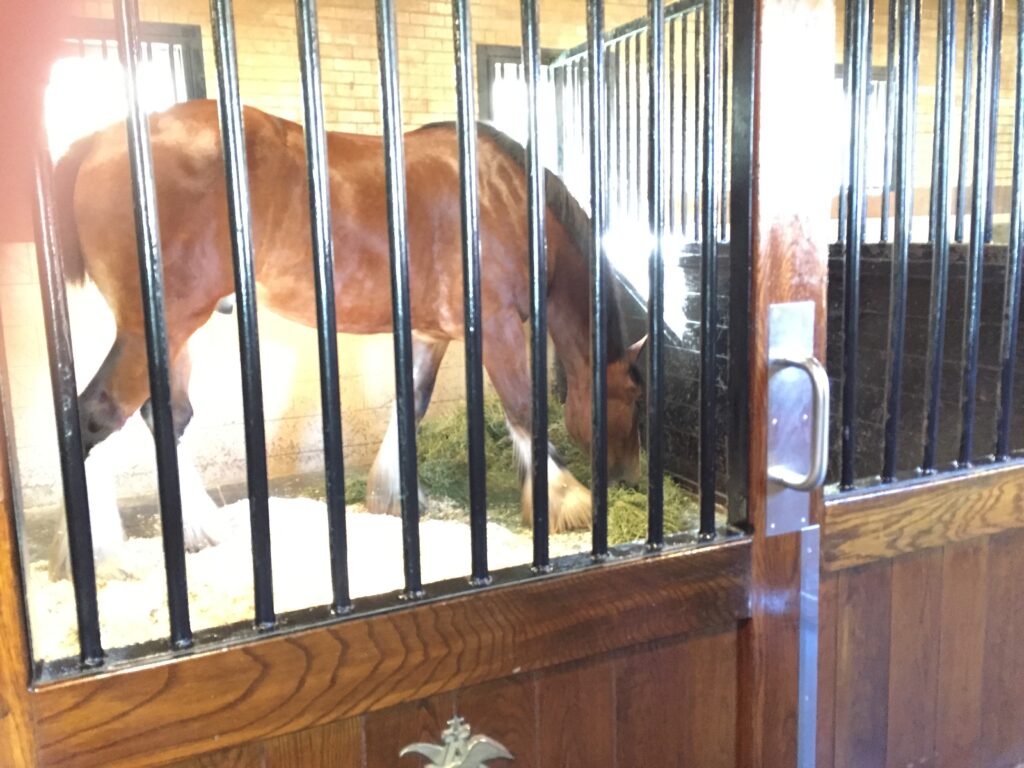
(295,681)
(245,756)
(862,666)
(1003,674)
(707,719)
(388,731)
(505,710)
(650,698)
(576,716)
(828,624)
(961,646)
(326,746)
(915,516)
(914,659)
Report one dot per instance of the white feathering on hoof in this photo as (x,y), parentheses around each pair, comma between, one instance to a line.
(568,498)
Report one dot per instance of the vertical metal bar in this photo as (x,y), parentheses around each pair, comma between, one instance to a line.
(859,68)
(639,131)
(940,222)
(559,82)
(709,277)
(466,122)
(326,319)
(240,221)
(628,166)
(844,184)
(904,221)
(621,86)
(997,46)
(598,288)
(965,123)
(172,60)
(1011,300)
(698,126)
(656,272)
(147,234)
(972,302)
(890,113)
(671,200)
(724,152)
(683,217)
(538,289)
(405,402)
(65,405)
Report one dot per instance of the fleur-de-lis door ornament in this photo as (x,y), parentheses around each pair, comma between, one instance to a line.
(457,749)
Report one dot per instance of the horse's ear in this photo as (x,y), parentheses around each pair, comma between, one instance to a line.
(635,349)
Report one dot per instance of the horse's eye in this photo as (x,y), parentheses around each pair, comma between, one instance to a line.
(635,375)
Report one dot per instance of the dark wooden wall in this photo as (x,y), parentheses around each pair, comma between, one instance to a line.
(663,705)
(922,628)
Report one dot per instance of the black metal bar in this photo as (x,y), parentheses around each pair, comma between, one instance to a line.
(65,405)
(724,152)
(683,218)
(240,221)
(698,126)
(560,107)
(997,46)
(1011,300)
(709,277)
(639,135)
(326,319)
(620,170)
(859,69)
(965,117)
(538,289)
(615,36)
(890,112)
(147,234)
(741,202)
(844,183)
(868,55)
(671,122)
(940,222)
(972,301)
(904,222)
(656,272)
(466,121)
(628,167)
(598,288)
(401,315)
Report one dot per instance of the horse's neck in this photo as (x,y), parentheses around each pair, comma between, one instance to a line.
(569,316)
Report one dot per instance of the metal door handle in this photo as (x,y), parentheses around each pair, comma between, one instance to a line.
(815,476)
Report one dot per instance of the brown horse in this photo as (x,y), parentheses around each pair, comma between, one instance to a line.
(95,197)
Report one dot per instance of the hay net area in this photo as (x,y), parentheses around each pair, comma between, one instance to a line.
(132,587)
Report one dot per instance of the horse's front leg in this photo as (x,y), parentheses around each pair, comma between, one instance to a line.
(383,487)
(507,366)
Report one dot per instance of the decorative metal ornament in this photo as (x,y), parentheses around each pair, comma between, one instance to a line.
(457,749)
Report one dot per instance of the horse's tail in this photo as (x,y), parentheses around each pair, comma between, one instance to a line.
(65,174)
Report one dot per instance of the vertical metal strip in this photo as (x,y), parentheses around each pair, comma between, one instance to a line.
(940,224)
(538,289)
(598,286)
(854,234)
(997,47)
(405,402)
(640,168)
(906,112)
(683,215)
(890,113)
(709,277)
(240,222)
(972,301)
(1011,300)
(698,127)
(965,123)
(656,278)
(671,164)
(844,184)
(65,406)
(807,675)
(466,123)
(628,166)
(147,234)
(326,319)
(723,153)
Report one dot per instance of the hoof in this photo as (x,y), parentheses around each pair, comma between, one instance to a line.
(569,507)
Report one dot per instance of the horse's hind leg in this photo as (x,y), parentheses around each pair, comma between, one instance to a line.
(508,368)
(197,508)
(383,483)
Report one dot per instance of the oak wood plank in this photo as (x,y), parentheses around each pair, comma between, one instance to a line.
(505,710)
(828,625)
(652,704)
(389,730)
(707,719)
(325,746)
(576,716)
(294,681)
(1002,720)
(862,666)
(874,526)
(961,647)
(245,756)
(914,659)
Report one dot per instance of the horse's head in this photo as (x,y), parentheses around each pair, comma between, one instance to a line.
(625,386)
